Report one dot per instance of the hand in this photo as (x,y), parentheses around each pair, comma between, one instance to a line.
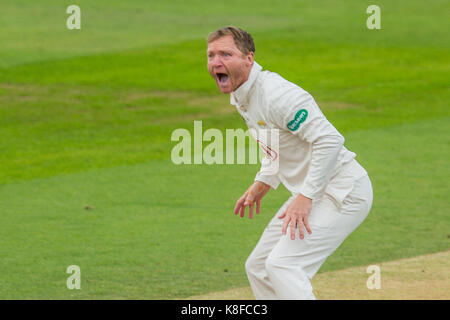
(297,214)
(252,195)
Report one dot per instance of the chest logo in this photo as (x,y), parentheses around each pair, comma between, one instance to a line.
(299,118)
(271,154)
(261,123)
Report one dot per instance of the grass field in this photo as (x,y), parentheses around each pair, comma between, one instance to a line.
(424,277)
(86,118)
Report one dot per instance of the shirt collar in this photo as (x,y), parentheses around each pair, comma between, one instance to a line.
(239,97)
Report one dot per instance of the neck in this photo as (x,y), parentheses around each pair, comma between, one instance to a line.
(246,76)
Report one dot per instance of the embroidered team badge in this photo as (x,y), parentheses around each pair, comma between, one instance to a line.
(299,118)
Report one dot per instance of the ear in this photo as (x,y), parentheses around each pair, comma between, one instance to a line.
(250,58)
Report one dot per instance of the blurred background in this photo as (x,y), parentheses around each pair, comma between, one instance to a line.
(86,117)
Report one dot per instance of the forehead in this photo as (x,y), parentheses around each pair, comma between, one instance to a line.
(223,43)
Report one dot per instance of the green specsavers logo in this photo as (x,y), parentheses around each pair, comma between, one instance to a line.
(299,117)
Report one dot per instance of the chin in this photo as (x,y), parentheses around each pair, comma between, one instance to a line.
(225,90)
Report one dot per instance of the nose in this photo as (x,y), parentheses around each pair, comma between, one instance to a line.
(215,61)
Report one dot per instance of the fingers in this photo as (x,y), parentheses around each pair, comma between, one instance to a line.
(300,229)
(240,202)
(242,211)
(293,223)
(237,206)
(305,220)
(248,199)
(285,224)
(250,211)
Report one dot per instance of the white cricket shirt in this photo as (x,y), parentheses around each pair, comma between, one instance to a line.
(311,155)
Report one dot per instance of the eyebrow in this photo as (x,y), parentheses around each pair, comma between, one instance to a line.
(220,51)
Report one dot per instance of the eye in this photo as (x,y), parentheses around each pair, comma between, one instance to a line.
(226,54)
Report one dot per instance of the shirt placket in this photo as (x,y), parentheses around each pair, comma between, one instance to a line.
(245,114)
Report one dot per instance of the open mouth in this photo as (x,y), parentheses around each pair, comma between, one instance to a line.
(223,77)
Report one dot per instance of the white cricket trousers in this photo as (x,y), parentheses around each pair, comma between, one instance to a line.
(281,268)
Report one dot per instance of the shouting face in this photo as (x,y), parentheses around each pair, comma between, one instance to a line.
(227,64)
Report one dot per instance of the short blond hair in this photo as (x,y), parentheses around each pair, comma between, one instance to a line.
(242,39)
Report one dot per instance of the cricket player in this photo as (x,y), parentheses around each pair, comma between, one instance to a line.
(331,192)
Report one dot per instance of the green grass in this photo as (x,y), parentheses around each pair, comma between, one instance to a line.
(147,237)
(86,118)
